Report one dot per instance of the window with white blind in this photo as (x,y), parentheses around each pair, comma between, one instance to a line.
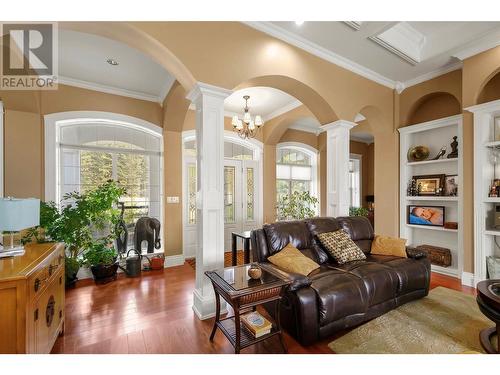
(355,180)
(295,169)
(90,152)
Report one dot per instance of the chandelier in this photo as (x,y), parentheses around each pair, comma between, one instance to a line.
(248,127)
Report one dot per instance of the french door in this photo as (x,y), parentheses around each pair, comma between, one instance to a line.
(240,197)
(241,201)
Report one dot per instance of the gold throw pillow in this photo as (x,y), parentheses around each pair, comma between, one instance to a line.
(290,259)
(341,247)
(385,245)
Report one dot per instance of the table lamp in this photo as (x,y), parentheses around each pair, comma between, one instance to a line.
(16,215)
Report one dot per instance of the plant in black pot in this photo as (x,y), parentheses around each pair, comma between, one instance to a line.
(82,221)
(101,258)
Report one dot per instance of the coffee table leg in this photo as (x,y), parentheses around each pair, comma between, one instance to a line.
(278,325)
(233,249)
(217,315)
(247,250)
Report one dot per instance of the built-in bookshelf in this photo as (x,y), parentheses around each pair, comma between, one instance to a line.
(486,169)
(435,135)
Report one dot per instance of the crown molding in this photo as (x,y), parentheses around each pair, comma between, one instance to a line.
(356,138)
(323,53)
(305,128)
(286,108)
(491,40)
(356,25)
(201,88)
(338,124)
(401,86)
(107,89)
(359,117)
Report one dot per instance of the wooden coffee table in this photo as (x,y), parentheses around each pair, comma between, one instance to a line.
(245,294)
(488,300)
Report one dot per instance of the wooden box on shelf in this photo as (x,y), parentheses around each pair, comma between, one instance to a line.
(439,256)
(32,299)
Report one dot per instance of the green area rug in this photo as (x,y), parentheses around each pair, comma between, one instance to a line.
(444,322)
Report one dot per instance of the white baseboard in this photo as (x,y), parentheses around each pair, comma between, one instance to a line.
(468,279)
(174,261)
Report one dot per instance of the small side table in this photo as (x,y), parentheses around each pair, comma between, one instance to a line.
(245,294)
(246,246)
(488,300)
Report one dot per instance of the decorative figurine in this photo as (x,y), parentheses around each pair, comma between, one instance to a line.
(493,192)
(440,153)
(454,149)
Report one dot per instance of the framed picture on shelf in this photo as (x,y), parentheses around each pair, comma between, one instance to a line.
(431,184)
(426,215)
(451,185)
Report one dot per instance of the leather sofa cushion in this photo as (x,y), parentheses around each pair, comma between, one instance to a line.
(292,260)
(359,229)
(282,233)
(385,245)
(412,274)
(381,281)
(339,294)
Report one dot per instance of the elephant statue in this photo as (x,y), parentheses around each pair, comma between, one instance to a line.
(147,229)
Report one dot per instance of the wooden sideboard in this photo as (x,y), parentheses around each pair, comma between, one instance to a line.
(32,299)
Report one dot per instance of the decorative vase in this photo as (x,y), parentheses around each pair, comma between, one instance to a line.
(254,271)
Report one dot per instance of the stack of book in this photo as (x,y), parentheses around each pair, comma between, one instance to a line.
(256,324)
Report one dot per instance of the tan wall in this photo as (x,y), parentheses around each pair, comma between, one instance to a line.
(435,107)
(491,91)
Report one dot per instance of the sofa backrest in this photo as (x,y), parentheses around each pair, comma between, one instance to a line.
(302,234)
(360,230)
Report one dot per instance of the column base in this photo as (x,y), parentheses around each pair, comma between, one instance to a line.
(204,306)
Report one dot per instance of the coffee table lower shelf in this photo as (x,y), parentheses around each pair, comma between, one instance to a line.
(228,328)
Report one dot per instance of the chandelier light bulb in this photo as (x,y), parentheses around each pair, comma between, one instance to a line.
(258,120)
(246,117)
(240,125)
(251,125)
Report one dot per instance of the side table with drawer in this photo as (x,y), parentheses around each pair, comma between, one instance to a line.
(32,299)
(245,294)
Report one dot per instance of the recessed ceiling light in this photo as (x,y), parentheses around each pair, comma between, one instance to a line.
(299,23)
(112,62)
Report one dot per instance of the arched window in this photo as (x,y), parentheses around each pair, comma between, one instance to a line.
(296,166)
(90,151)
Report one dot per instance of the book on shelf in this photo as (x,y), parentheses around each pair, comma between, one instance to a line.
(256,324)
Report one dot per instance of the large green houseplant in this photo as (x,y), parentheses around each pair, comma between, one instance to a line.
(79,222)
(296,206)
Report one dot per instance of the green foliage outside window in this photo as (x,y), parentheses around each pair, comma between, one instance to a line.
(296,206)
(358,211)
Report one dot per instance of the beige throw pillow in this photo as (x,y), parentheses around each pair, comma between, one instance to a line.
(290,259)
(385,245)
(341,247)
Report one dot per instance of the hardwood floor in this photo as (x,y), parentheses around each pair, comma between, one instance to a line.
(152,314)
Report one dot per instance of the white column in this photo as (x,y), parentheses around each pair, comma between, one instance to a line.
(337,167)
(209,102)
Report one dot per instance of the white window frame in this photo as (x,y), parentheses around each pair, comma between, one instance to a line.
(52,124)
(2,115)
(360,158)
(313,154)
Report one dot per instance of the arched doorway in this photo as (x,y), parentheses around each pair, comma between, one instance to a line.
(242,188)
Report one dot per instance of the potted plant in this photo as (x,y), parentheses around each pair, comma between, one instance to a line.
(296,206)
(78,222)
(358,211)
(101,258)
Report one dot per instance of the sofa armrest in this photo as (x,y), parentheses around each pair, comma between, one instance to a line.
(297,280)
(414,253)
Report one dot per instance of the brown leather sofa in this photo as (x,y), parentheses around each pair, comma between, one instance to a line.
(335,297)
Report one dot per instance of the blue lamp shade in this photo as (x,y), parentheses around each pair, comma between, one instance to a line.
(19,214)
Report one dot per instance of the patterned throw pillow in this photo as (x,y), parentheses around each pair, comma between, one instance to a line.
(341,247)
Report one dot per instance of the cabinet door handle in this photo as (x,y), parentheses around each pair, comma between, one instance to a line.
(38,282)
(52,267)
(35,315)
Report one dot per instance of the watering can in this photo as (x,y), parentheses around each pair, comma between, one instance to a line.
(133,264)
